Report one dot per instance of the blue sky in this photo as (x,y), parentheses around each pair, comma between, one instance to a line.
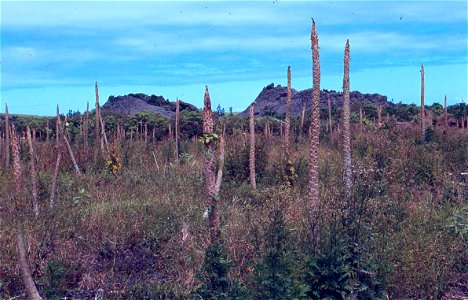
(53,52)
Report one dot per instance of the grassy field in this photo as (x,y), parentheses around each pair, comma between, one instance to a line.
(142,232)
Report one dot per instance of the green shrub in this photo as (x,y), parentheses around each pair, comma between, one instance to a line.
(214,280)
(338,272)
(56,272)
(236,164)
(274,276)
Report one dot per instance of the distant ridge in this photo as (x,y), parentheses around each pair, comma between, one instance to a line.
(132,104)
(272,100)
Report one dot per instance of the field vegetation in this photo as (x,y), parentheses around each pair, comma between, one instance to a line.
(134,224)
(366,202)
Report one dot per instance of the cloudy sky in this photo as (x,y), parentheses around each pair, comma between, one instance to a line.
(53,52)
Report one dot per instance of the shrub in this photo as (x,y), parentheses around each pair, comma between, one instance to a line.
(338,273)
(274,273)
(214,280)
(237,163)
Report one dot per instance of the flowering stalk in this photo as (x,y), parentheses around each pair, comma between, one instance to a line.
(33,173)
(346,125)
(26,276)
(253,183)
(314,204)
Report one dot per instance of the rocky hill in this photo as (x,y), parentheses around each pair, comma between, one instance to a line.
(135,103)
(272,100)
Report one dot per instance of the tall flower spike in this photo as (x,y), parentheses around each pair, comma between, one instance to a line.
(23,262)
(288,112)
(33,172)
(314,204)
(207,114)
(445,112)
(346,125)
(423,124)
(7,138)
(253,182)
(177,116)
(97,138)
(209,170)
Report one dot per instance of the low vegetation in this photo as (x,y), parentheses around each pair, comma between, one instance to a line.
(140,231)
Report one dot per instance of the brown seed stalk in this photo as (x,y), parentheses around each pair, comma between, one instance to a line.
(7,138)
(253,183)
(85,131)
(26,276)
(330,129)
(314,200)
(212,183)
(33,173)
(97,138)
(58,152)
(346,125)
(287,121)
(177,116)
(423,124)
(445,112)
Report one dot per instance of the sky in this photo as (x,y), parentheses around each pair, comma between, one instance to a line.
(53,52)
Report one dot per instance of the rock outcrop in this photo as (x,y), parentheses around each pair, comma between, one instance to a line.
(135,103)
(272,100)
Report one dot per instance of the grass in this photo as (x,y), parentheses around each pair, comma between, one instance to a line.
(142,234)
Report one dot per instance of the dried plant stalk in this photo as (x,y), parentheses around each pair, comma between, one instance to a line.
(177,116)
(26,276)
(445,112)
(287,121)
(346,125)
(104,141)
(33,173)
(47,131)
(314,201)
(360,117)
(423,124)
(7,138)
(97,122)
(212,183)
(330,129)
(219,176)
(253,183)
(379,116)
(53,187)
(70,151)
(303,117)
(85,131)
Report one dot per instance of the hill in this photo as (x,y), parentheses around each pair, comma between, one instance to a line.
(272,100)
(132,104)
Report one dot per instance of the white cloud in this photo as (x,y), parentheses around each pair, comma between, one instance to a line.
(381,41)
(115,14)
(127,14)
(170,43)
